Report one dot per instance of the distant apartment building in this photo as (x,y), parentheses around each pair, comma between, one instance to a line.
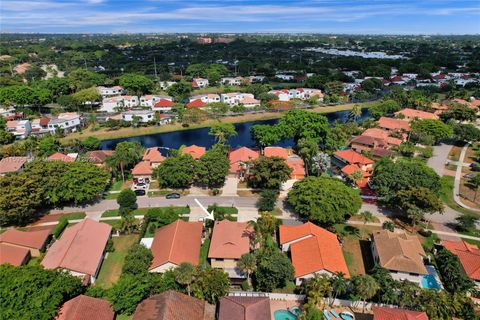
(143,115)
(67,122)
(110,91)
(112,104)
(19,128)
(200,83)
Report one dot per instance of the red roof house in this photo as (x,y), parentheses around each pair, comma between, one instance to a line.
(239,157)
(16,256)
(35,241)
(244,308)
(153,156)
(469,256)
(196,104)
(99,156)
(57,156)
(195,151)
(83,307)
(80,249)
(163,103)
(12,164)
(391,124)
(348,156)
(176,243)
(143,169)
(383,313)
(276,152)
(298,167)
(313,250)
(412,114)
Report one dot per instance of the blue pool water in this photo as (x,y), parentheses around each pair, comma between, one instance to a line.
(284,315)
(429,282)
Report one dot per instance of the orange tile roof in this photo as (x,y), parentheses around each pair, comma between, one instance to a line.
(276,152)
(413,113)
(29,239)
(142,168)
(297,165)
(177,242)
(164,103)
(57,156)
(320,250)
(153,155)
(99,156)
(469,256)
(393,124)
(351,168)
(376,133)
(384,313)
(12,164)
(195,151)
(80,247)
(86,308)
(15,256)
(244,308)
(438,106)
(230,240)
(352,157)
(241,155)
(195,104)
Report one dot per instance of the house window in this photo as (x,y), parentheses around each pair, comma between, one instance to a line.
(219,259)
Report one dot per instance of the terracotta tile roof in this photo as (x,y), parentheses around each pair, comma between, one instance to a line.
(29,239)
(378,152)
(195,151)
(12,164)
(44,121)
(230,240)
(164,103)
(153,155)
(57,156)
(469,256)
(15,256)
(297,165)
(244,308)
(399,252)
(86,308)
(376,133)
(171,305)
(319,250)
(276,152)
(373,142)
(383,313)
(99,156)
(249,100)
(352,157)
(195,104)
(80,247)
(239,156)
(177,242)
(351,168)
(393,124)
(142,168)
(413,114)
(438,106)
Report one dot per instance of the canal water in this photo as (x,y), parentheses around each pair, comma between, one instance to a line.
(200,137)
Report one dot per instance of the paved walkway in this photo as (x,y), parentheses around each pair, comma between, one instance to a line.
(458,177)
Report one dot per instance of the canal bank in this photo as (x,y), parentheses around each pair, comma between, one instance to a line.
(200,136)
(105,134)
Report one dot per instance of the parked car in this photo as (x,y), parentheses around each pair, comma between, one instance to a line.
(469,176)
(173,195)
(140,192)
(140,186)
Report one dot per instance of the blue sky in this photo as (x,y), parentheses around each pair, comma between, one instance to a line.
(320,16)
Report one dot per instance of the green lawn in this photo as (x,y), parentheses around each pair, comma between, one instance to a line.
(473,233)
(111,268)
(204,253)
(225,212)
(116,186)
(74,215)
(446,194)
(123,317)
(116,212)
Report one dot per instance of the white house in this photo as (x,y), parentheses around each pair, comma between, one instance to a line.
(112,104)
(200,83)
(20,128)
(232,81)
(282,95)
(67,121)
(285,77)
(166,84)
(207,98)
(150,100)
(256,78)
(144,115)
(110,91)
(234,98)
(130,101)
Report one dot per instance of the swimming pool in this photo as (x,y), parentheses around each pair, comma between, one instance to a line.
(431,281)
(284,315)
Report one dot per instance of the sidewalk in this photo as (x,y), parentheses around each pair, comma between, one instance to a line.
(458,177)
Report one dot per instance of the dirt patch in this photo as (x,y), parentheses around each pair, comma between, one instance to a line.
(455,153)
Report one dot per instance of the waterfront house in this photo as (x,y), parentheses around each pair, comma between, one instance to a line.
(239,161)
(195,151)
(313,250)
(66,122)
(385,313)
(199,83)
(143,116)
(176,243)
(413,114)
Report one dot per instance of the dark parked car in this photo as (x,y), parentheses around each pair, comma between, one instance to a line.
(140,192)
(173,196)
(469,176)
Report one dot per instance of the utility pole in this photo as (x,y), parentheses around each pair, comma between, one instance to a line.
(155,66)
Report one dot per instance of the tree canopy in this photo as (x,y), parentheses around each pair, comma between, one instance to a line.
(176,172)
(268,173)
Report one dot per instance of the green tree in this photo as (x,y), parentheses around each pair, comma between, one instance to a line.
(365,287)
(138,260)
(355,113)
(31,292)
(339,285)
(136,83)
(268,173)
(433,128)
(267,200)
(176,172)
(89,95)
(383,108)
(6,137)
(460,113)
(48,145)
(466,132)
(34,73)
(450,269)
(388,225)
(325,200)
(212,168)
(125,156)
(387,286)
(91,143)
(318,288)
(475,183)
(466,222)
(308,149)
(298,124)
(211,284)
(247,264)
(127,199)
(222,132)
(82,79)
(419,198)
(185,275)
(274,270)
(265,135)
(180,90)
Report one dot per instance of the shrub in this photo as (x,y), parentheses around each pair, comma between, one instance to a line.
(62,224)
(267,200)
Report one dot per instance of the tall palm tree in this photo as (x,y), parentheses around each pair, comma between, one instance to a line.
(126,154)
(365,287)
(339,285)
(248,265)
(319,287)
(185,274)
(355,113)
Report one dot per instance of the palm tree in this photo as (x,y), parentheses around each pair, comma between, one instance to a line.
(356,176)
(307,149)
(366,217)
(185,274)
(355,113)
(475,182)
(248,265)
(416,215)
(339,285)
(319,287)
(365,287)
(126,154)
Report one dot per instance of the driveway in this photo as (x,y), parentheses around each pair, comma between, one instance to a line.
(440,157)
(230,187)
